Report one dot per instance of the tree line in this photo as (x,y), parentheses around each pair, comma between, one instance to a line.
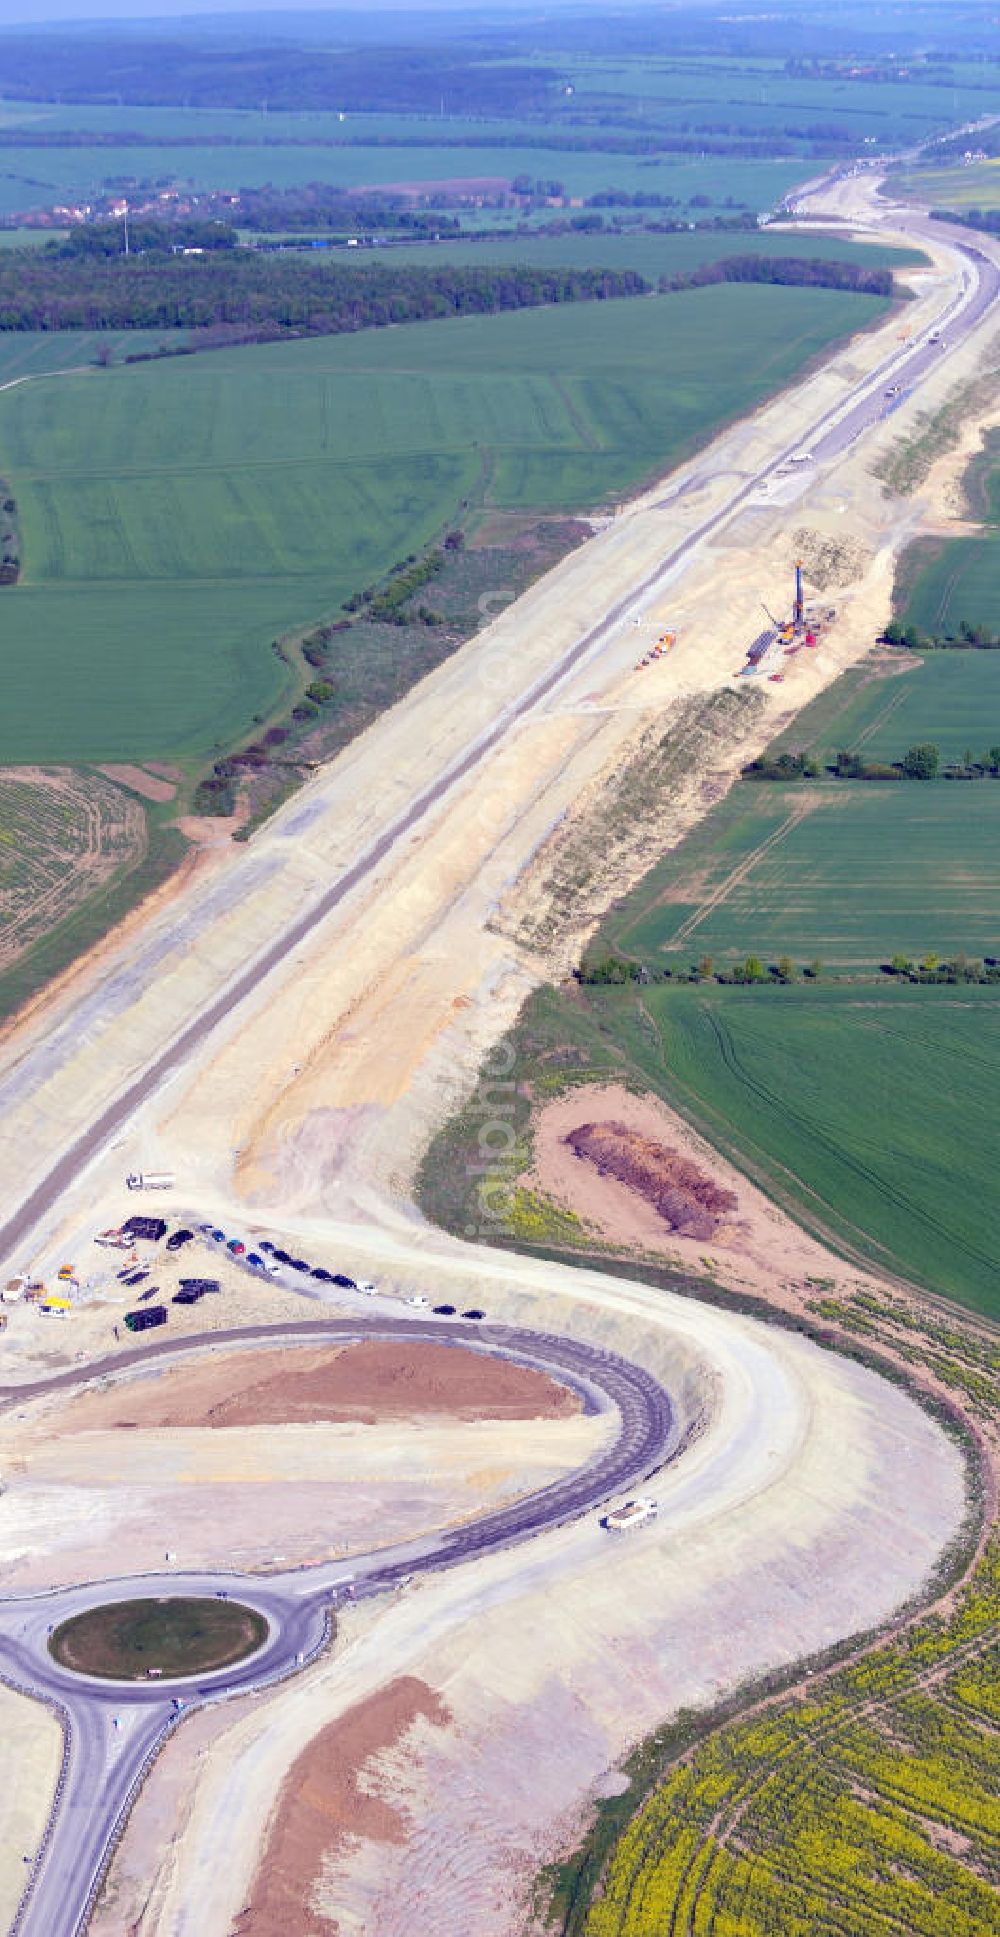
(611,970)
(987,219)
(230,71)
(617,971)
(250,297)
(981,638)
(238,295)
(796,272)
(920,762)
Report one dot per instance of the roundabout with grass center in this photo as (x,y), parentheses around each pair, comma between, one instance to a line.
(169,1637)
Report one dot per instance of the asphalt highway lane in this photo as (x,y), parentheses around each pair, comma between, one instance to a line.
(113,1729)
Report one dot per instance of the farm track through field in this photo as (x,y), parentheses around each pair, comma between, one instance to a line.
(879,720)
(911,1207)
(739,874)
(946,597)
(768,1775)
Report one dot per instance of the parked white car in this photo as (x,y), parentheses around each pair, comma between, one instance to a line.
(418,1299)
(365,1285)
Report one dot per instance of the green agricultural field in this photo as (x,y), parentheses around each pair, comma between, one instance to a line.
(942,582)
(960,580)
(651,255)
(39,353)
(30,238)
(740,98)
(176,517)
(871,1113)
(851,872)
(964,185)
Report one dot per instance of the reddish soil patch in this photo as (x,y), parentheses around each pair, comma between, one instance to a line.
(140,782)
(322,1803)
(375,1380)
(688,1201)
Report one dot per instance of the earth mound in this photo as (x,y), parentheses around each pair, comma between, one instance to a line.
(687,1200)
(370,1381)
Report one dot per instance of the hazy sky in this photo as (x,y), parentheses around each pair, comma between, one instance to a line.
(36,12)
(33,13)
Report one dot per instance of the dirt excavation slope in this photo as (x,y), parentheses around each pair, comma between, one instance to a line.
(326,1801)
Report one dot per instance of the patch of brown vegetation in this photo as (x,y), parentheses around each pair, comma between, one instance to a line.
(375,1380)
(830,562)
(323,1802)
(518,531)
(140,782)
(63,834)
(686,1199)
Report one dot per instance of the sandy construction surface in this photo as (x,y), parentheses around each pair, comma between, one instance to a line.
(32,1754)
(754,1249)
(269,1458)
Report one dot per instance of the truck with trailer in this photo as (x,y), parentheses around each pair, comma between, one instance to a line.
(150,1180)
(145,1320)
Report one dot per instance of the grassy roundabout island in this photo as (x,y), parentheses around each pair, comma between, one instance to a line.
(130,1640)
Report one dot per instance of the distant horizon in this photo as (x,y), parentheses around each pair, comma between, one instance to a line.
(81,13)
(115,13)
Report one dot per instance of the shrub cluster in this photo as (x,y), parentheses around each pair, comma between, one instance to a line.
(919,762)
(933,970)
(615,971)
(983,638)
(388,603)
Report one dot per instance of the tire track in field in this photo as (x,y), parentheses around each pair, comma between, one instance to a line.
(822,1735)
(740,873)
(880,718)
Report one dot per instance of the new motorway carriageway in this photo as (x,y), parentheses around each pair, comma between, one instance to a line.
(113,1730)
(99,1012)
